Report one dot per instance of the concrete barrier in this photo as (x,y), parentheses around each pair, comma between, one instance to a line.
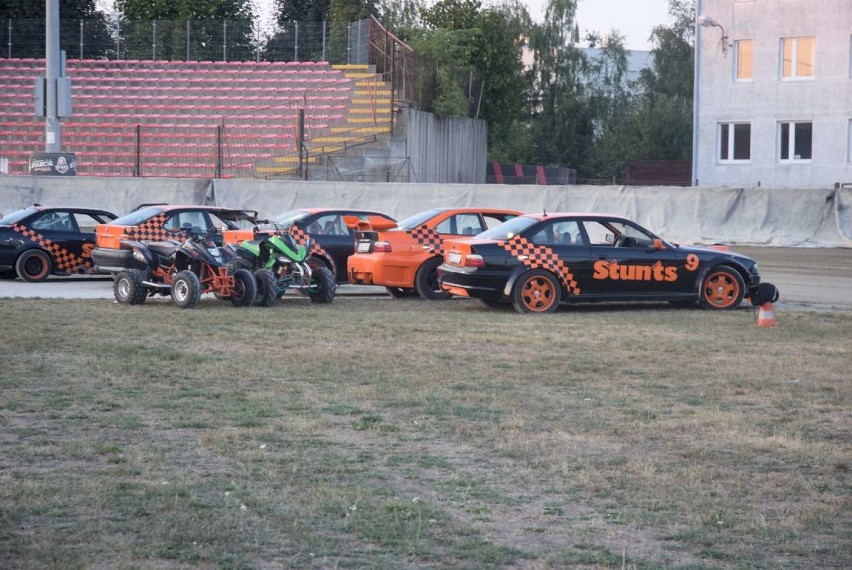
(755,216)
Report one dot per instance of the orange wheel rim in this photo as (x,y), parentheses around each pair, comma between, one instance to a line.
(538,294)
(721,290)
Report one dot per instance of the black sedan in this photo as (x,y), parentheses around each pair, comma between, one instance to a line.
(537,261)
(332,233)
(37,242)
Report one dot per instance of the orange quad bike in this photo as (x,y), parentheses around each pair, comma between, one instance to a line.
(185,270)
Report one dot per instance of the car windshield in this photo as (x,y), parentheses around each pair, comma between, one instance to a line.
(510,229)
(291,217)
(139,216)
(17,216)
(417,219)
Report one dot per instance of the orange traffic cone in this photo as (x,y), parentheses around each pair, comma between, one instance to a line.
(766,316)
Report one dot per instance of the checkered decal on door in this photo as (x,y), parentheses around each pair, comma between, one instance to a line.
(153,229)
(301,236)
(63,260)
(428,238)
(541,257)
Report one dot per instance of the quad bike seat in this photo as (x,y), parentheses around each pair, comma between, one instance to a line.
(164,248)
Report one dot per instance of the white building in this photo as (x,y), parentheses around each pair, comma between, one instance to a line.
(773,98)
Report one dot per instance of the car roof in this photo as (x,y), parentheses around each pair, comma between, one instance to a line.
(551,215)
(41,208)
(351,210)
(474,210)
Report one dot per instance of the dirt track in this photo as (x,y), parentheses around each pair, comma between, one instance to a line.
(818,278)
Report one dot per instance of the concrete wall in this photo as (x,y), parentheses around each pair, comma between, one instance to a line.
(445,150)
(767,99)
(782,217)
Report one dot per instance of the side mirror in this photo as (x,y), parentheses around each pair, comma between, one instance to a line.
(610,238)
(658,244)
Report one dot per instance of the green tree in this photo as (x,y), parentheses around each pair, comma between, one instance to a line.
(562,122)
(207,29)
(28,28)
(301,11)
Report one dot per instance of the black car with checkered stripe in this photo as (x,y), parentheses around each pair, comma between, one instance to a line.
(40,241)
(537,261)
(162,223)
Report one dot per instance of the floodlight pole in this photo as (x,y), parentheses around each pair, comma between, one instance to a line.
(52,129)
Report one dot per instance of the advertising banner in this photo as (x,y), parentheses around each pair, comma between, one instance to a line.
(53,164)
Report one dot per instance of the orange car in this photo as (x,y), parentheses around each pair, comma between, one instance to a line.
(405,259)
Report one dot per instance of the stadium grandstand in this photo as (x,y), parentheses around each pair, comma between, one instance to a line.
(223,119)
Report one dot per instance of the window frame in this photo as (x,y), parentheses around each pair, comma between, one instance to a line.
(737,78)
(731,147)
(794,60)
(791,143)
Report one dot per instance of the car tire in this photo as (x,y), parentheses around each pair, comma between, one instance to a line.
(536,291)
(400,292)
(34,265)
(186,290)
(722,288)
(323,288)
(245,288)
(426,281)
(128,287)
(267,288)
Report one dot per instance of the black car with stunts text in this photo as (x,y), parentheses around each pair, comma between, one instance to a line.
(537,261)
(39,241)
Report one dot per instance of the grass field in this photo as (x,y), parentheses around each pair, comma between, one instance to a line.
(407,434)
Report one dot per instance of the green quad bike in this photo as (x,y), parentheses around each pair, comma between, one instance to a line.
(278,264)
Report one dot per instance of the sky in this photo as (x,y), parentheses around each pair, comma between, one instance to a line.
(634,19)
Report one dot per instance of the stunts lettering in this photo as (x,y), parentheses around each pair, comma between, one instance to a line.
(617,272)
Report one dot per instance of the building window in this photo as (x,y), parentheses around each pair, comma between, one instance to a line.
(744,56)
(795,141)
(734,141)
(797,57)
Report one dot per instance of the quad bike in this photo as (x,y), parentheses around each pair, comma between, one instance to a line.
(185,270)
(279,264)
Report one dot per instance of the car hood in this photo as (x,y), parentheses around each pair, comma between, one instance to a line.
(715,250)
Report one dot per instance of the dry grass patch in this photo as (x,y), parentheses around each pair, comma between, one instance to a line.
(406,434)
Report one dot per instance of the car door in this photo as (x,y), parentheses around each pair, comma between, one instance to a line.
(86,224)
(565,239)
(625,262)
(57,234)
(331,233)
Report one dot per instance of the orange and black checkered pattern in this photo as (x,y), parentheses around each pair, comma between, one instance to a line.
(63,260)
(541,257)
(428,237)
(153,229)
(300,236)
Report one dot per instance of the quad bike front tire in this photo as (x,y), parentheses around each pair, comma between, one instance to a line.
(267,288)
(128,287)
(245,288)
(186,290)
(323,288)
(34,265)
(426,281)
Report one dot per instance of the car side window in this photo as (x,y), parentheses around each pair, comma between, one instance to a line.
(54,221)
(218,223)
(559,232)
(329,225)
(461,224)
(86,223)
(180,219)
(598,233)
(494,221)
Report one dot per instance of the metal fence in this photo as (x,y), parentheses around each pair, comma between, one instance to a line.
(191,40)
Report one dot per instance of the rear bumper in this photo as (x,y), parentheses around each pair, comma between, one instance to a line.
(476,283)
(114,260)
(381,269)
